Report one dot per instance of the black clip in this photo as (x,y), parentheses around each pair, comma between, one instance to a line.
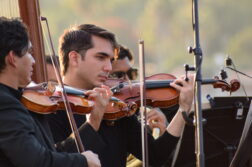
(188,68)
(189,121)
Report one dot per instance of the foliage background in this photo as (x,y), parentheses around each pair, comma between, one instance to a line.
(165,26)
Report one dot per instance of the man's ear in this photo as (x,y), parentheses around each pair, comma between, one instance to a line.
(74,58)
(11,58)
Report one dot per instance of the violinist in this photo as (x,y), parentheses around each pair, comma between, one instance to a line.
(86,52)
(122,67)
(23,141)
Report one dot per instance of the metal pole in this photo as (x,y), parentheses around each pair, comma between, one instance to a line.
(199,144)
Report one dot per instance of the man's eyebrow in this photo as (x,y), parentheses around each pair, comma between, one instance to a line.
(104,54)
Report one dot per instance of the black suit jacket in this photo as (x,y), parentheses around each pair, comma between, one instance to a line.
(24,142)
(114,143)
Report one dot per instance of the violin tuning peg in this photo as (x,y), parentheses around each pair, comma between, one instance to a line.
(188,68)
(228,61)
(190,49)
(223,74)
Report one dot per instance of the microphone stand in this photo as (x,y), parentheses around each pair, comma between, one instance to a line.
(199,146)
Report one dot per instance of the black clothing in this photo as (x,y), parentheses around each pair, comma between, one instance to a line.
(114,143)
(24,141)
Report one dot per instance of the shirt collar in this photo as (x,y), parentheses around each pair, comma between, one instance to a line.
(16,93)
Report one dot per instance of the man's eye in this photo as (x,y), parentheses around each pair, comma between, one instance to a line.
(101,57)
(31,51)
(118,75)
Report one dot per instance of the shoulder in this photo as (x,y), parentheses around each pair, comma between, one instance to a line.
(8,101)
(12,110)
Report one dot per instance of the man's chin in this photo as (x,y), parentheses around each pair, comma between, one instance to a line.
(99,84)
(25,83)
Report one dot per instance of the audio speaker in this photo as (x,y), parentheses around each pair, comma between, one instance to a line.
(221,133)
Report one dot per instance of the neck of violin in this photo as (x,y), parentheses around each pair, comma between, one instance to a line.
(166,83)
(74,91)
(150,84)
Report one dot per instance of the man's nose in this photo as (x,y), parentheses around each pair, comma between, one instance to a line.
(32,59)
(108,66)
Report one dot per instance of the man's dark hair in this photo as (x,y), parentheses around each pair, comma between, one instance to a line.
(49,60)
(124,52)
(79,39)
(13,37)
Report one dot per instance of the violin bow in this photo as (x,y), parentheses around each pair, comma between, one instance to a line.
(143,111)
(69,111)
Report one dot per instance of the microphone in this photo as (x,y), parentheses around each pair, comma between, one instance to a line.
(228,61)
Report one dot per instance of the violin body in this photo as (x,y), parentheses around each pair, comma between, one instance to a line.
(115,111)
(44,98)
(158,93)
(40,101)
(158,90)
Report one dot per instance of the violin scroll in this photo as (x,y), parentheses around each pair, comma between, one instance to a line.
(235,85)
(232,87)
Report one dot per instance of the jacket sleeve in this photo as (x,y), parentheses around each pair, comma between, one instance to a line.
(89,137)
(63,136)
(20,145)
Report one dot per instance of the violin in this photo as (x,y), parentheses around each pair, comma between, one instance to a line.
(44,98)
(158,92)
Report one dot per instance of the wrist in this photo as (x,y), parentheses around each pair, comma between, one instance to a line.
(184,109)
(94,124)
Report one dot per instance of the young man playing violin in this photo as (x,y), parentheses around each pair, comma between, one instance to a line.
(122,70)
(86,53)
(24,142)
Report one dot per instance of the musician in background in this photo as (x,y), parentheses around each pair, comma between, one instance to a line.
(24,142)
(122,67)
(51,75)
(86,52)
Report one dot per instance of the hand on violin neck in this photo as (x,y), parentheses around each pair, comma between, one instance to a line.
(186,90)
(101,97)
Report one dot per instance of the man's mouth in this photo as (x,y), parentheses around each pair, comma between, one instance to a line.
(103,77)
